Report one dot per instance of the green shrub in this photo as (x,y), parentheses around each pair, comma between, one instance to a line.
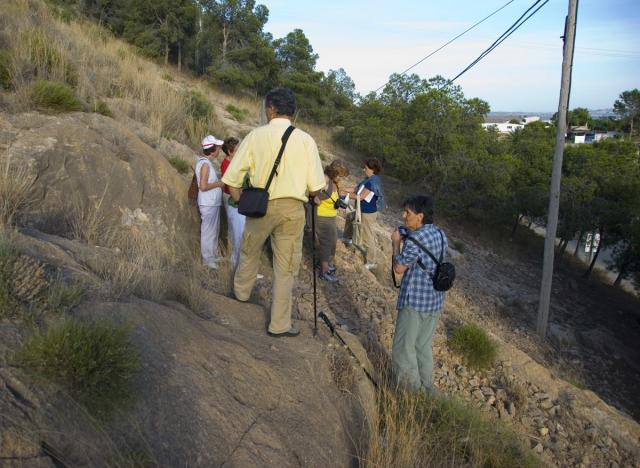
(418,430)
(474,345)
(199,106)
(8,257)
(6,79)
(101,107)
(167,77)
(237,113)
(62,297)
(55,96)
(180,165)
(93,361)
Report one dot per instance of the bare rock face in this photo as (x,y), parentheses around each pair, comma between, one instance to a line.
(94,161)
(211,392)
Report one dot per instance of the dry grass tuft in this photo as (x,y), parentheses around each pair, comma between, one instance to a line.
(420,431)
(16,181)
(342,370)
(87,57)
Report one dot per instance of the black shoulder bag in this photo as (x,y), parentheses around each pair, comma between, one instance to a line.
(445,272)
(254,200)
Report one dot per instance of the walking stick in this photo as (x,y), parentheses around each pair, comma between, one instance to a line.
(313,267)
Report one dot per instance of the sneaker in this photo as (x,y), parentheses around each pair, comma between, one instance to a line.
(346,240)
(212,265)
(259,276)
(328,277)
(332,270)
(370,266)
(292,332)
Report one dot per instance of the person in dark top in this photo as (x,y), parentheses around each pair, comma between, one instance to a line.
(371,196)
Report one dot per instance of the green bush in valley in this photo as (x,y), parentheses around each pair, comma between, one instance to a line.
(180,165)
(6,80)
(199,107)
(101,107)
(474,345)
(55,96)
(93,361)
(237,113)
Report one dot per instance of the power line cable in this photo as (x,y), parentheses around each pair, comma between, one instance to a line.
(513,28)
(446,44)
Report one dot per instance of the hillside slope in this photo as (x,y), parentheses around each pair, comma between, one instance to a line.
(108,211)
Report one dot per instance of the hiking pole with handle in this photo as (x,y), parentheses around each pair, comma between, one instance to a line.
(335,333)
(313,266)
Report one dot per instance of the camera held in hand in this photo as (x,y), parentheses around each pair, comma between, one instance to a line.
(403,231)
(340,203)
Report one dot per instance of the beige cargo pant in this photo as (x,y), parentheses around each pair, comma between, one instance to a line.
(284,223)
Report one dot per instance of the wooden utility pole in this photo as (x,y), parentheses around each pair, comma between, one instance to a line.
(556,174)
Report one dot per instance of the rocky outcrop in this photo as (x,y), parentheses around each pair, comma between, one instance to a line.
(211,392)
(99,164)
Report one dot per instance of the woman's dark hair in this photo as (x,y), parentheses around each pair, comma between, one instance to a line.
(229,145)
(420,204)
(282,100)
(336,169)
(373,164)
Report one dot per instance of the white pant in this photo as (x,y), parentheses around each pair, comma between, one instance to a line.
(236,227)
(209,231)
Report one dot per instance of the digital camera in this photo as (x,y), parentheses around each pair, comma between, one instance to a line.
(340,203)
(403,231)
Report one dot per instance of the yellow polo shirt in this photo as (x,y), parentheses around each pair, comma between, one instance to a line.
(300,170)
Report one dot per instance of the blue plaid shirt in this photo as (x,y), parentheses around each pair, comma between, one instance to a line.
(416,289)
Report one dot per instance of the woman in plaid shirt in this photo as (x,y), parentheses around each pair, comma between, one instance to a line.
(419,304)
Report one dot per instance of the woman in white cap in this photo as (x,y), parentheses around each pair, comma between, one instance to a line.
(209,200)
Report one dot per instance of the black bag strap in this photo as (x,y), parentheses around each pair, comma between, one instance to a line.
(420,264)
(433,257)
(285,138)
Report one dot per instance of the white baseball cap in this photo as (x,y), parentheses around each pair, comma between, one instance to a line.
(209,141)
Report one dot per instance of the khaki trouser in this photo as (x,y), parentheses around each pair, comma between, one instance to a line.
(284,223)
(366,233)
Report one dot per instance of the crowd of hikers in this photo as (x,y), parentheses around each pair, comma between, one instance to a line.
(282,164)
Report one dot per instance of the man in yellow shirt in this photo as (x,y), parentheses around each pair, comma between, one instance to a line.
(299,174)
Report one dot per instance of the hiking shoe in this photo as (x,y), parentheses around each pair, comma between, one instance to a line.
(259,276)
(293,331)
(328,277)
(332,270)
(346,240)
(371,266)
(212,265)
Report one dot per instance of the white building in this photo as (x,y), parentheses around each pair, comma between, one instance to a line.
(504,127)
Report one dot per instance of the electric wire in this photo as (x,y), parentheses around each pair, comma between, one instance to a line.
(513,28)
(449,42)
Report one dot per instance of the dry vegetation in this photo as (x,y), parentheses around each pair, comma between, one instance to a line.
(16,181)
(420,431)
(99,68)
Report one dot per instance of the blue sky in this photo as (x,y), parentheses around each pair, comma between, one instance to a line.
(372,39)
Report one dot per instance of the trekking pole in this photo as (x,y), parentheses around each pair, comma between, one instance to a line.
(335,333)
(313,267)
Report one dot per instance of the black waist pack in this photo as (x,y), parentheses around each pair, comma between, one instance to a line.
(445,272)
(254,200)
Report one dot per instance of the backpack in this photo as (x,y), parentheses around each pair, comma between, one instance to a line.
(192,193)
(445,272)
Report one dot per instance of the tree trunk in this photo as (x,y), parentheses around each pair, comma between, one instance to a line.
(563,247)
(621,274)
(225,37)
(515,226)
(595,257)
(575,252)
(166,51)
(179,56)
